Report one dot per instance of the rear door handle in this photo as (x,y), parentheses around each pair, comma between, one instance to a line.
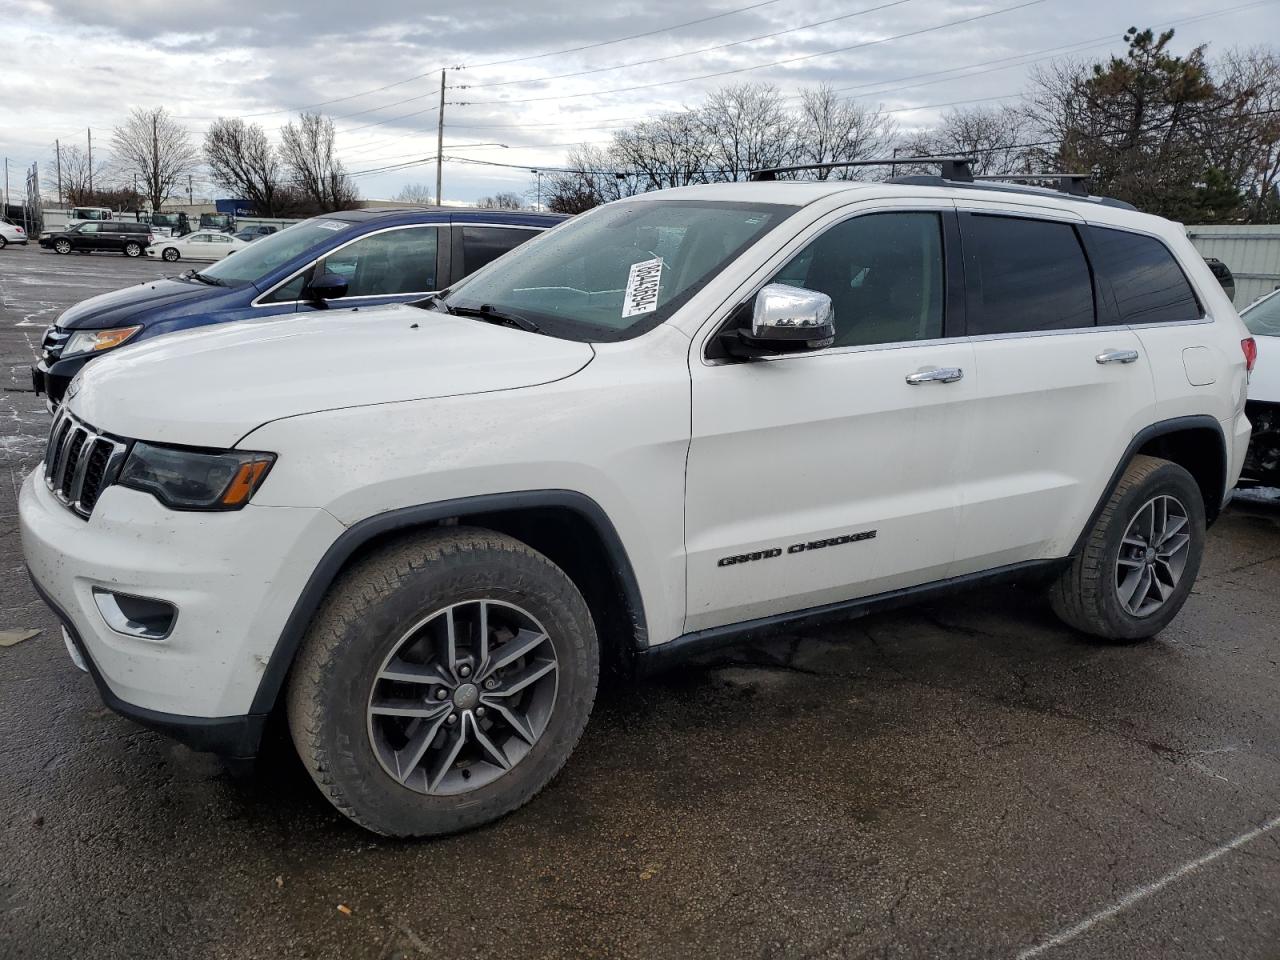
(1117,356)
(935,375)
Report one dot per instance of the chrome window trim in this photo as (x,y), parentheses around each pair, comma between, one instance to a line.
(257,301)
(505,226)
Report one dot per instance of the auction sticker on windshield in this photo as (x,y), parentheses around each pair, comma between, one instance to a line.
(330,224)
(642,288)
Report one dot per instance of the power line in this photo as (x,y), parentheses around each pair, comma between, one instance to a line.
(689,53)
(495,63)
(605,43)
(762,66)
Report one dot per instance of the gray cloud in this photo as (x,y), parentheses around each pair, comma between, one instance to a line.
(225,58)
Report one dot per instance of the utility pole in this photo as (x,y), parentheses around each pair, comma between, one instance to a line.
(57,152)
(440,146)
(90,129)
(538,174)
(6,187)
(190,202)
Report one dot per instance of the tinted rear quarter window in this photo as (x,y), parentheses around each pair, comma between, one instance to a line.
(1148,284)
(1025,275)
(482,245)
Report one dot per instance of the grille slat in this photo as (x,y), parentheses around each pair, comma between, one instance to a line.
(80,463)
(67,459)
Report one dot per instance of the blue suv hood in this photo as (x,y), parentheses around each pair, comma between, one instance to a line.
(144,303)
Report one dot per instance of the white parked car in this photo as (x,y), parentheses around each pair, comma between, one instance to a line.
(1262,317)
(204,245)
(675,420)
(11,233)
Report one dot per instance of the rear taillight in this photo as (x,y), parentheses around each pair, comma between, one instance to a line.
(19,229)
(1250,348)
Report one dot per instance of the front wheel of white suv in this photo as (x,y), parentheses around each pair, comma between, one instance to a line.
(443,683)
(1139,559)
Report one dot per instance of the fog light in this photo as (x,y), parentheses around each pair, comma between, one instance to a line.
(141,617)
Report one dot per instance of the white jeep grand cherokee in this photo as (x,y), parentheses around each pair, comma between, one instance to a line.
(675,420)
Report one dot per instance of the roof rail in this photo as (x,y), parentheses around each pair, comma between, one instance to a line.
(958,169)
(1076,184)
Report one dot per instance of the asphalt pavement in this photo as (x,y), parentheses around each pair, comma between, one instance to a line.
(962,779)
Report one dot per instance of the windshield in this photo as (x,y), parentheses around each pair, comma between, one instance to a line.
(263,256)
(1263,318)
(619,270)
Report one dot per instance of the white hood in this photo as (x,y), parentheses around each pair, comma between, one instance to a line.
(211,386)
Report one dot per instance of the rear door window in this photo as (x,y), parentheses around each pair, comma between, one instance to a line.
(1148,284)
(1025,275)
(483,245)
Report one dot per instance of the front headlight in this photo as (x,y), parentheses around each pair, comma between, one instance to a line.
(195,479)
(95,341)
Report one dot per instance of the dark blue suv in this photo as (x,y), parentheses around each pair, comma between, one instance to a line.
(359,257)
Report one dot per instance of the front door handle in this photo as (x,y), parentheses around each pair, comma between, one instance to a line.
(1117,356)
(935,375)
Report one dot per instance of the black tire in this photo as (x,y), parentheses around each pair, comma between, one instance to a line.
(1086,596)
(132,249)
(171,254)
(365,616)
(62,246)
(3,243)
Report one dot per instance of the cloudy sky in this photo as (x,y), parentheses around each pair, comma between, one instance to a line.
(374,66)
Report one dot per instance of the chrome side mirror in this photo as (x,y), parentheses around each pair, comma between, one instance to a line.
(792,318)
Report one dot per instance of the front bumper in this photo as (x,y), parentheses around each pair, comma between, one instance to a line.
(234,578)
(52,379)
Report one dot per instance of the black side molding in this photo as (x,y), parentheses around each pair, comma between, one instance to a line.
(236,738)
(361,533)
(665,655)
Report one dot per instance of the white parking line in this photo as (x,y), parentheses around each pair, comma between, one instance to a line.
(1141,893)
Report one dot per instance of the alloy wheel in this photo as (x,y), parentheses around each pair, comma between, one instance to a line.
(463,697)
(1153,555)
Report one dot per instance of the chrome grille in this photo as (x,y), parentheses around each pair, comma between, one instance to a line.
(80,463)
(52,345)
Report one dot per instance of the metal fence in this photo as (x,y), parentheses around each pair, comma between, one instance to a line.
(1251,253)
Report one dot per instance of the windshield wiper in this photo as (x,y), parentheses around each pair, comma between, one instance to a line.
(432,300)
(211,281)
(488,313)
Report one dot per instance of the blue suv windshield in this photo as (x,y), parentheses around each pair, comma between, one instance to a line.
(264,256)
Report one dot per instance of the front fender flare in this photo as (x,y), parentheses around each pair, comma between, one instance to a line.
(361,533)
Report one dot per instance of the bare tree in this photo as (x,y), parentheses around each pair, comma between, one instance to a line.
(995,137)
(747,128)
(243,160)
(309,156)
(501,201)
(833,129)
(155,148)
(593,178)
(418,194)
(672,150)
(76,176)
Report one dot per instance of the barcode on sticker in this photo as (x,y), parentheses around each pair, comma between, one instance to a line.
(642,288)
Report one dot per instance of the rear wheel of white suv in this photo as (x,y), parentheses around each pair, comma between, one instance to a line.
(1140,558)
(444,682)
